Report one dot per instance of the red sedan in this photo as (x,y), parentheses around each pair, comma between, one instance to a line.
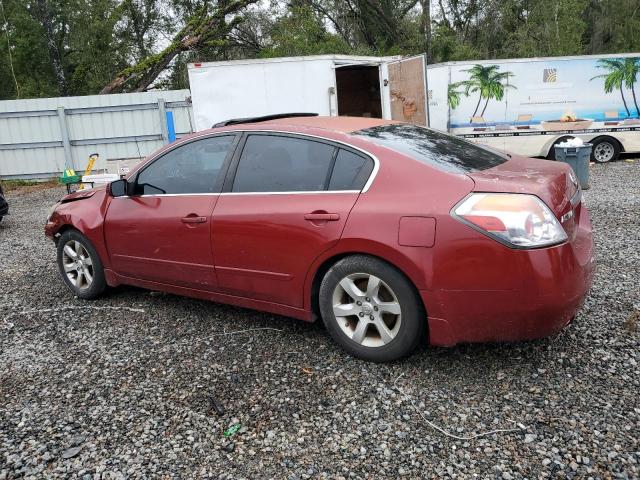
(392,233)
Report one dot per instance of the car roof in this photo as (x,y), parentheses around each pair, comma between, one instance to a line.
(334,124)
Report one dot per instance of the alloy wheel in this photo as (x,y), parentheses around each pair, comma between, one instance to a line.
(77,264)
(367,310)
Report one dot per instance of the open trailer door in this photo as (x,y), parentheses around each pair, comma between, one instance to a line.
(407,90)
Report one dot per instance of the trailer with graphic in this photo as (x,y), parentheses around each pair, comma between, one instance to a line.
(528,105)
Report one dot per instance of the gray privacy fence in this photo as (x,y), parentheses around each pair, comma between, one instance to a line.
(42,137)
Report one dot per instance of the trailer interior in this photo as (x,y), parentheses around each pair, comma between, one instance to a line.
(358,91)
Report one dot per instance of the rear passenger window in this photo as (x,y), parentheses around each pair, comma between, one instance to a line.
(190,168)
(271,163)
(350,172)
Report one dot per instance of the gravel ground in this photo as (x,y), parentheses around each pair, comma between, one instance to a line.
(139,384)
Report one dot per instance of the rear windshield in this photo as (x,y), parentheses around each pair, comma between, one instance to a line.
(441,150)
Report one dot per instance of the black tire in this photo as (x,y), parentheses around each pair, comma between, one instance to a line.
(412,319)
(98,283)
(605,150)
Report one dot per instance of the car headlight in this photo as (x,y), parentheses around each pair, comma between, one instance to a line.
(51,210)
(514,219)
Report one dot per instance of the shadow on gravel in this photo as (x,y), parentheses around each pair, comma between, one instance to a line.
(181,316)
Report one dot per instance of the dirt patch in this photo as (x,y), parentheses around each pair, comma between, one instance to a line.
(20,187)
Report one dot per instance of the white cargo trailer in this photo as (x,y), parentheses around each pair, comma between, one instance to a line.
(378,87)
(528,105)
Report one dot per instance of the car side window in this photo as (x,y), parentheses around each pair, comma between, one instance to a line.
(272,163)
(190,168)
(351,171)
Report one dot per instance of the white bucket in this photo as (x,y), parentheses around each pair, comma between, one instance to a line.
(99,179)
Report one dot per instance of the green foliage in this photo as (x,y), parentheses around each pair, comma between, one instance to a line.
(547,28)
(301,32)
(94,42)
(446,46)
(613,26)
(31,64)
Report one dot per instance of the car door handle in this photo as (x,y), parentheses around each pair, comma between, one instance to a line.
(193,219)
(322,217)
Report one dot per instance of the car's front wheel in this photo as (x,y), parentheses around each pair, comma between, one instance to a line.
(80,265)
(371,309)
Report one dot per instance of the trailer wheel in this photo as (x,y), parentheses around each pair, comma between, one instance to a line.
(605,149)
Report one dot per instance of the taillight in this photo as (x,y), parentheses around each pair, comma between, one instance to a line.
(515,219)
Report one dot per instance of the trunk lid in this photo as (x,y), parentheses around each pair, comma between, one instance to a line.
(553,182)
(548,180)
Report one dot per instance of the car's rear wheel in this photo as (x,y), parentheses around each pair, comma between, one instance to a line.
(80,265)
(371,309)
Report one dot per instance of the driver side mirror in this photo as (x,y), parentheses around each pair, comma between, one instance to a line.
(119,188)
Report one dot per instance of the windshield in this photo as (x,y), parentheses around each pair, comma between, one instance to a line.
(441,150)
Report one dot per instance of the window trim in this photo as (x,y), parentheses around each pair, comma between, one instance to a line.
(232,171)
(221,176)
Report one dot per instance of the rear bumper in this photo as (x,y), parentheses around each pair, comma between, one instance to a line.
(552,285)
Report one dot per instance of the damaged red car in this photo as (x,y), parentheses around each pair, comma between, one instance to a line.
(391,233)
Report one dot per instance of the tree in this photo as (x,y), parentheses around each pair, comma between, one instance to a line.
(141,18)
(207,27)
(612,26)
(55,40)
(80,47)
(488,82)
(380,26)
(301,32)
(616,78)
(547,28)
(24,55)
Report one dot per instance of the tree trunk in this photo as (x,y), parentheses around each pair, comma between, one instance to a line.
(203,28)
(425,25)
(625,102)
(140,79)
(477,107)
(54,52)
(485,107)
(635,101)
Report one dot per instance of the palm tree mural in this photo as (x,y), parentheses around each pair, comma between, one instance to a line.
(623,72)
(631,72)
(488,82)
(453,95)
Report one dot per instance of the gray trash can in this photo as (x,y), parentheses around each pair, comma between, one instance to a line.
(578,158)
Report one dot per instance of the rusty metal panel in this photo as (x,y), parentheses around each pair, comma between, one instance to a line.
(407,90)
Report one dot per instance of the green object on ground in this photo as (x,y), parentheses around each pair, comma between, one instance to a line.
(233,429)
(69,176)
(71,179)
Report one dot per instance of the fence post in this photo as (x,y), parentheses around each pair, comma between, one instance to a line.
(163,121)
(64,132)
(171,127)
